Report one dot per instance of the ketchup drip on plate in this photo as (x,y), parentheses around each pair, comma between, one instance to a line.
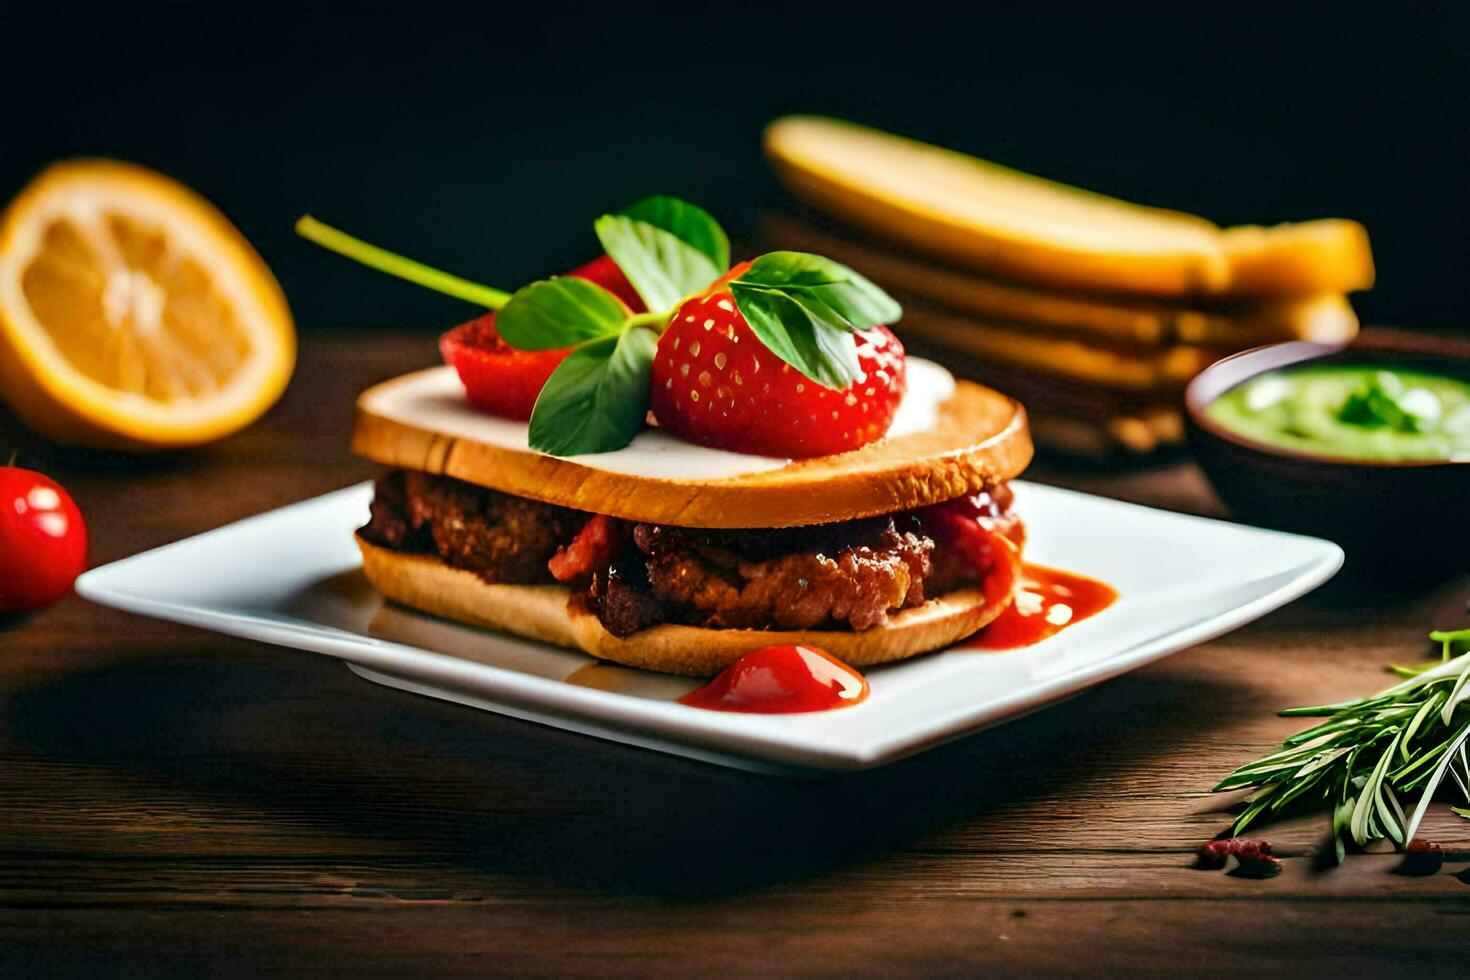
(782,680)
(1047,602)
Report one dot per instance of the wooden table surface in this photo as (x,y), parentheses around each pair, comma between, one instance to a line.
(178,801)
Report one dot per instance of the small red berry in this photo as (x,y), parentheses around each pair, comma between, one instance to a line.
(1421,858)
(1250,858)
(43,541)
(716,384)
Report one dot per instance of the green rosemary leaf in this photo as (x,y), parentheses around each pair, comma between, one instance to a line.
(1305,738)
(1281,800)
(1462,774)
(1368,798)
(1398,810)
(1365,753)
(1262,793)
(1433,784)
(1458,696)
(1424,712)
(1261,801)
(1387,815)
(1323,760)
(1318,711)
(1413,775)
(1253,776)
(1340,816)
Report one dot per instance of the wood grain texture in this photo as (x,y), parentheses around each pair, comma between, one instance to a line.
(179,803)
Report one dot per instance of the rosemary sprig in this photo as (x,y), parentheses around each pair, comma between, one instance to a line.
(1369,751)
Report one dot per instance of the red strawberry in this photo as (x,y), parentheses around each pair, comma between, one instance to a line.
(504,381)
(716,384)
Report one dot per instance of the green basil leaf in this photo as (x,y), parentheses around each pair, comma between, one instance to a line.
(555,313)
(820,284)
(662,267)
(838,352)
(690,224)
(804,336)
(597,399)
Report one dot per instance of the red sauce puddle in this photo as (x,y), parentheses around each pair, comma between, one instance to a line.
(796,679)
(1047,602)
(782,680)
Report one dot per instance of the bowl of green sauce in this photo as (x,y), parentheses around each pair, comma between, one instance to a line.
(1366,444)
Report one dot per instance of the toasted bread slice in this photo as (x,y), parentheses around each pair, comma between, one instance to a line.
(1289,258)
(1131,434)
(1166,369)
(544,612)
(975,438)
(999,220)
(1325,318)
(1074,418)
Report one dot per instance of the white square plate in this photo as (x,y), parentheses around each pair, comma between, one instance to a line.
(293,577)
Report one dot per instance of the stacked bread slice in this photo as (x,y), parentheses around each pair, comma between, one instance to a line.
(1095,312)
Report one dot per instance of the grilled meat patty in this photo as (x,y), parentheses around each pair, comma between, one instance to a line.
(852,574)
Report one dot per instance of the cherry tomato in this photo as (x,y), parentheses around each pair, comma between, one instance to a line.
(43,541)
(503,381)
(497,378)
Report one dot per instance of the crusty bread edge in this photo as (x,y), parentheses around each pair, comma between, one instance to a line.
(1323,256)
(1163,370)
(886,477)
(1007,250)
(543,612)
(1108,319)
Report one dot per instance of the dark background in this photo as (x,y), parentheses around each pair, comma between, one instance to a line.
(486,139)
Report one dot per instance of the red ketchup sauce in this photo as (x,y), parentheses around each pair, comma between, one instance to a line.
(796,679)
(1047,602)
(782,680)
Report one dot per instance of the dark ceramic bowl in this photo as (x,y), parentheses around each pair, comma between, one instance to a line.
(1401,524)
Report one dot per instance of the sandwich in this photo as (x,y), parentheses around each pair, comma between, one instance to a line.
(668,462)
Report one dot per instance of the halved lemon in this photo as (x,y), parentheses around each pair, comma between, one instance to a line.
(133,315)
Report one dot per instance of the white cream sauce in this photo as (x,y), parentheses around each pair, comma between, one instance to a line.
(434,399)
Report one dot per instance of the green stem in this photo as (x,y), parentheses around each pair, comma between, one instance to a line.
(396,265)
(14,455)
(656,321)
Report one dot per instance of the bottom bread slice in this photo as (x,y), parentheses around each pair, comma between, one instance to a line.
(545,612)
